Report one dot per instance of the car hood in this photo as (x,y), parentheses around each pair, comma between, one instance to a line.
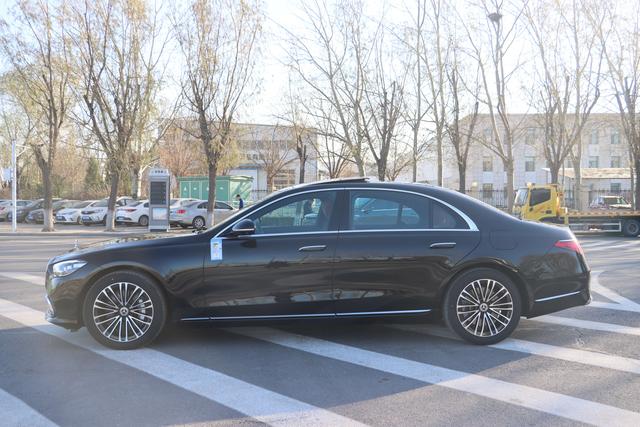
(125,242)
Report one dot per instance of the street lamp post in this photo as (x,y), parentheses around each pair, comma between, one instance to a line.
(14,187)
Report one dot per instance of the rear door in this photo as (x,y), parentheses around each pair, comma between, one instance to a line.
(394,251)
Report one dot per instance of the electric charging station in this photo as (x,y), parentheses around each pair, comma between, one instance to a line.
(159,187)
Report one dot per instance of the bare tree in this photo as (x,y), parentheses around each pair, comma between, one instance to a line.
(494,79)
(273,151)
(330,62)
(117,63)
(37,49)
(218,42)
(460,128)
(621,45)
(569,80)
(301,132)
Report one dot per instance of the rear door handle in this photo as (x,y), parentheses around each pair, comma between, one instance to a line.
(315,248)
(443,245)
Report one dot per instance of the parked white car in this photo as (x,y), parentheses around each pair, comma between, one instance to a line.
(97,213)
(193,214)
(5,207)
(135,213)
(72,215)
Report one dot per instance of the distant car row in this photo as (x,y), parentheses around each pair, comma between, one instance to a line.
(183,212)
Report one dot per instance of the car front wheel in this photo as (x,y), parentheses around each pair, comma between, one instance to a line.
(482,306)
(124,310)
(198,222)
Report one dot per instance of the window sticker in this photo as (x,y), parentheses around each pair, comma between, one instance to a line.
(216,249)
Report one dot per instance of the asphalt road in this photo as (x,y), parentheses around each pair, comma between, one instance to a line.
(579,366)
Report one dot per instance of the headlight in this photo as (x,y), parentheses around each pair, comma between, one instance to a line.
(65,268)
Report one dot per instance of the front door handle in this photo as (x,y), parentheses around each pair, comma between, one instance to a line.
(443,245)
(315,248)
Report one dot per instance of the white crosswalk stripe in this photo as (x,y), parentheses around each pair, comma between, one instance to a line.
(584,357)
(24,277)
(524,396)
(588,324)
(264,405)
(14,412)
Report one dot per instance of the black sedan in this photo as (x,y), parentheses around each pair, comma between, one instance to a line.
(336,249)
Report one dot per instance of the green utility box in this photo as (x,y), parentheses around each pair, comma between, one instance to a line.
(197,187)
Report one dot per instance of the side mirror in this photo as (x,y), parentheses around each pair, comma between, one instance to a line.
(244,227)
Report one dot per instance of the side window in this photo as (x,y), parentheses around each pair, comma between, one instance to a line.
(220,205)
(204,205)
(298,214)
(146,205)
(444,218)
(539,195)
(379,210)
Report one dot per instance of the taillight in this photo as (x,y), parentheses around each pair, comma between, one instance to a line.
(181,211)
(571,244)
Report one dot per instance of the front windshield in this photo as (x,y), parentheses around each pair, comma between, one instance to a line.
(80,205)
(614,201)
(101,203)
(521,197)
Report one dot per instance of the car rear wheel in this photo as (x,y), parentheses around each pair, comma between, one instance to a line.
(482,306)
(198,222)
(631,228)
(143,221)
(124,310)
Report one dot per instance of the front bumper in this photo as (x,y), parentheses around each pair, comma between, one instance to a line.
(91,219)
(64,298)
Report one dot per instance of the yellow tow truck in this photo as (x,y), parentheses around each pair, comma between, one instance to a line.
(545,203)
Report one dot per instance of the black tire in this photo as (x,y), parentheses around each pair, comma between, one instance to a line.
(152,301)
(198,222)
(184,225)
(143,220)
(631,228)
(474,331)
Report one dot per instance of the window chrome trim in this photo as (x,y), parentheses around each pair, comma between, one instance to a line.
(557,296)
(470,223)
(309,315)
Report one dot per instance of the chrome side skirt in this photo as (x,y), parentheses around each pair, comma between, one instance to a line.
(311,315)
(557,296)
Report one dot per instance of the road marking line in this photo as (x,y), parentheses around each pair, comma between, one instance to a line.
(24,277)
(624,304)
(584,357)
(15,412)
(588,324)
(519,395)
(259,403)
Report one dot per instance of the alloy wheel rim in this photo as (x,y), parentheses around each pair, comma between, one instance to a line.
(123,312)
(484,308)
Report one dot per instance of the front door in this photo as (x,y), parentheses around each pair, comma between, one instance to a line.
(284,269)
(394,252)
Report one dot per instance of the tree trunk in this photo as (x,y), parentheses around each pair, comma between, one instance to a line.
(47,206)
(111,205)
(637,183)
(211,197)
(270,183)
(577,185)
(136,184)
(359,164)
(462,178)
(509,169)
(554,170)
(414,164)
(440,154)
(302,157)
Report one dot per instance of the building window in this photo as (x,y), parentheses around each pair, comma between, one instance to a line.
(594,136)
(615,137)
(487,164)
(615,162)
(529,164)
(593,161)
(530,136)
(284,179)
(616,187)
(488,135)
(487,192)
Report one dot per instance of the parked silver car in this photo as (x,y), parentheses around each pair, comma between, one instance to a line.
(5,207)
(193,214)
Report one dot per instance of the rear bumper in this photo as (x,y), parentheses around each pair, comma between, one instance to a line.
(571,292)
